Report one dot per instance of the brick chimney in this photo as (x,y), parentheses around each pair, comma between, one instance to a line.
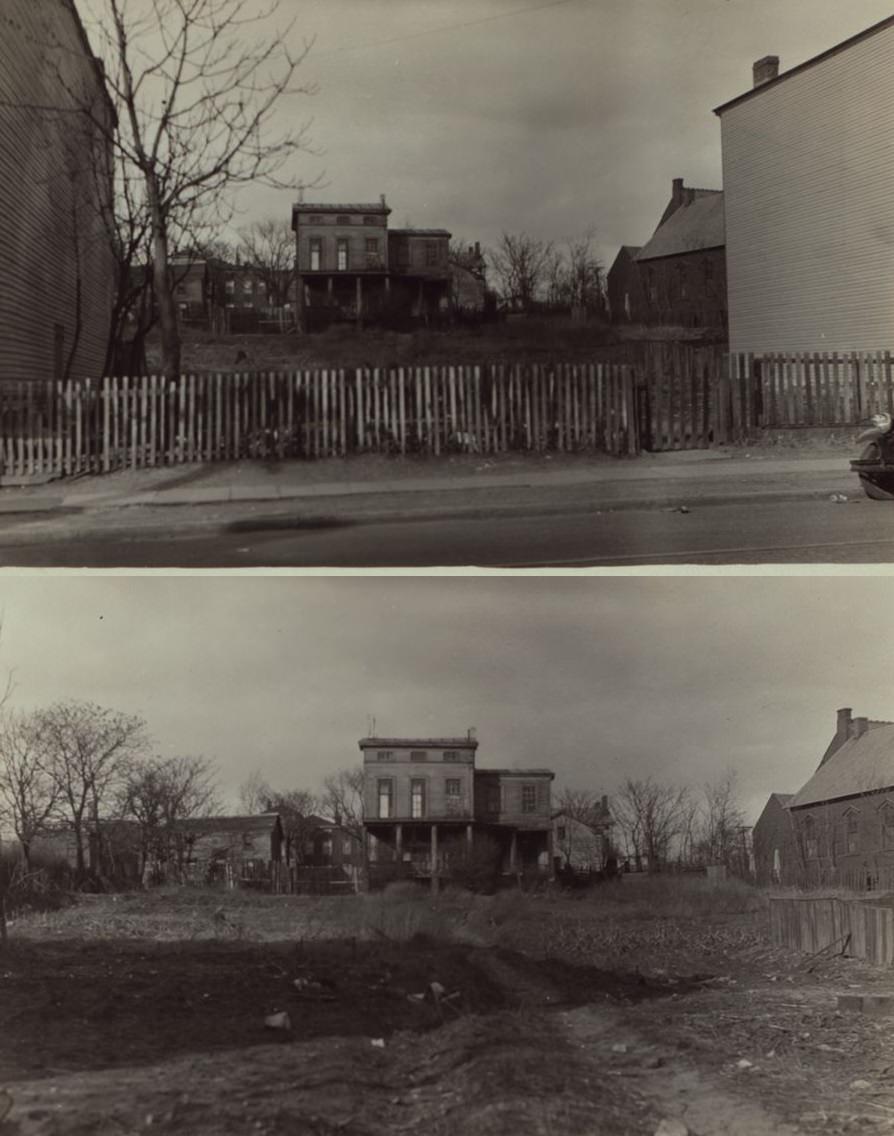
(843,731)
(860,726)
(382,198)
(677,194)
(765,70)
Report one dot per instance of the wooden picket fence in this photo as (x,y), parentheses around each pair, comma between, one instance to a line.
(819,389)
(818,924)
(78,427)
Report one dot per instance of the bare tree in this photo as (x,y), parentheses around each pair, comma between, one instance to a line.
(722,821)
(584,274)
(161,792)
(581,804)
(269,248)
(651,817)
(28,794)
(89,752)
(194,95)
(342,799)
(254,793)
(296,808)
(520,264)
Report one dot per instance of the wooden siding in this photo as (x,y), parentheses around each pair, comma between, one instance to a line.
(434,772)
(53,242)
(329,233)
(509,786)
(809,210)
(853,927)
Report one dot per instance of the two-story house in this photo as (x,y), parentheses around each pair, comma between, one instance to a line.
(350,266)
(424,803)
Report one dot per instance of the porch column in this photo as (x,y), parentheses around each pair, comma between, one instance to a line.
(434,859)
(513,850)
(399,842)
(468,835)
(329,285)
(359,301)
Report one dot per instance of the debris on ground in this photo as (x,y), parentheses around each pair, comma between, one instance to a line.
(278,1021)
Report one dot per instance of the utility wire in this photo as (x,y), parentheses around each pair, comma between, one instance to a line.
(443,28)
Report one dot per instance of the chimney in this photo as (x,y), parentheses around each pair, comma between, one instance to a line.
(301,195)
(765,70)
(382,199)
(861,725)
(604,803)
(844,724)
(677,192)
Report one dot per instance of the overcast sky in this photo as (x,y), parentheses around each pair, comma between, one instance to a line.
(597,678)
(548,117)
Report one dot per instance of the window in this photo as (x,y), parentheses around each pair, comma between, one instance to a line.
(316,254)
(315,219)
(230,287)
(326,849)
(342,253)
(852,832)
(451,755)
(887,812)
(343,219)
(386,790)
(370,221)
(385,755)
(418,755)
(811,844)
(417,799)
(529,798)
(248,284)
(346,848)
(453,787)
(309,847)
(561,832)
(431,253)
(181,289)
(493,798)
(262,287)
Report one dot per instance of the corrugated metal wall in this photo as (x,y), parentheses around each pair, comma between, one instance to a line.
(807,177)
(52,233)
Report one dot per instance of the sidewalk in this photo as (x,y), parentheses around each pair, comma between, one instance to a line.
(375,487)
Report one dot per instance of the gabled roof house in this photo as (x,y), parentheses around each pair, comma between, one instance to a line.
(843,816)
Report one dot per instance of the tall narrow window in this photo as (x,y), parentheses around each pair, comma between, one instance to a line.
(529,798)
(342,253)
(887,813)
(852,832)
(316,253)
(811,842)
(417,799)
(385,795)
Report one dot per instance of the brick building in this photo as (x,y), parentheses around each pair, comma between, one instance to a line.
(773,840)
(425,805)
(843,817)
(682,266)
(57,266)
(624,287)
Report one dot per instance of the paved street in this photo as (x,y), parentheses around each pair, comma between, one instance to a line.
(774,531)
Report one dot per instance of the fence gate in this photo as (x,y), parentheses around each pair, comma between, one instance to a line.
(676,395)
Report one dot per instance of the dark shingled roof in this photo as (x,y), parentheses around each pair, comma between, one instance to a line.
(350,207)
(422,232)
(261,822)
(690,228)
(860,765)
(419,743)
(519,772)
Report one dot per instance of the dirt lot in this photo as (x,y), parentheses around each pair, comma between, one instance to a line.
(608,1014)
